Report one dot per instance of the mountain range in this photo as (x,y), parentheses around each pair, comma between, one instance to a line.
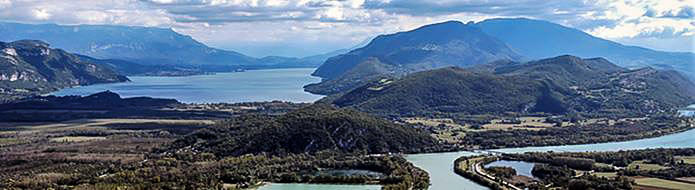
(429,47)
(454,43)
(30,67)
(538,39)
(561,85)
(156,48)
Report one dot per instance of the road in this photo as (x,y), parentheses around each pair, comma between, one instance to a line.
(479,170)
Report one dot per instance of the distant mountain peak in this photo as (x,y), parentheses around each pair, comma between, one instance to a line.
(563,59)
(30,43)
(433,46)
(538,39)
(569,58)
(446,24)
(144,45)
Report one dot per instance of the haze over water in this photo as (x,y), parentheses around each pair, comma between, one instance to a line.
(249,86)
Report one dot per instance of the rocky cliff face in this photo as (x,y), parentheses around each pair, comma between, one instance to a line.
(29,67)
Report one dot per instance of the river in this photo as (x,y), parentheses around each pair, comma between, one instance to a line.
(441,165)
(442,177)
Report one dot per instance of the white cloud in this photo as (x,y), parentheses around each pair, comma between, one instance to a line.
(41,14)
(643,18)
(5,3)
(164,1)
(658,24)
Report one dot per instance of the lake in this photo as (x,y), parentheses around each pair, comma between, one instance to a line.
(248,86)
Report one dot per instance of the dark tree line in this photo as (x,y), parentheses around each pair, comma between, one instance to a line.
(582,134)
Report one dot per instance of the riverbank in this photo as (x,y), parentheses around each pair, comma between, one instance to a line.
(442,176)
(649,168)
(594,131)
(470,167)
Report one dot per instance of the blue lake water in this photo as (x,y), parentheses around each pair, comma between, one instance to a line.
(249,86)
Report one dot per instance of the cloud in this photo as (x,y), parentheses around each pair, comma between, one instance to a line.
(222,11)
(646,20)
(41,14)
(502,8)
(5,3)
(123,12)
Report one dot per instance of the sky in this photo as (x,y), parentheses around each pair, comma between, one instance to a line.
(307,27)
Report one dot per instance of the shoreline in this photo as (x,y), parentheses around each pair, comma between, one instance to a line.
(434,162)
(235,87)
(454,150)
(268,185)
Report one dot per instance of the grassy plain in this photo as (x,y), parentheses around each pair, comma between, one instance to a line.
(645,166)
(662,183)
(687,159)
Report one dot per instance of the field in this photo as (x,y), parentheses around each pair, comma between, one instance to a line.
(689,179)
(661,183)
(687,159)
(644,166)
(44,153)
(528,123)
(446,129)
(606,174)
(432,122)
(76,139)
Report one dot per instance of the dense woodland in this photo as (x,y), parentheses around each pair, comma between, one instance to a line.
(585,160)
(296,145)
(558,85)
(311,129)
(565,177)
(206,171)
